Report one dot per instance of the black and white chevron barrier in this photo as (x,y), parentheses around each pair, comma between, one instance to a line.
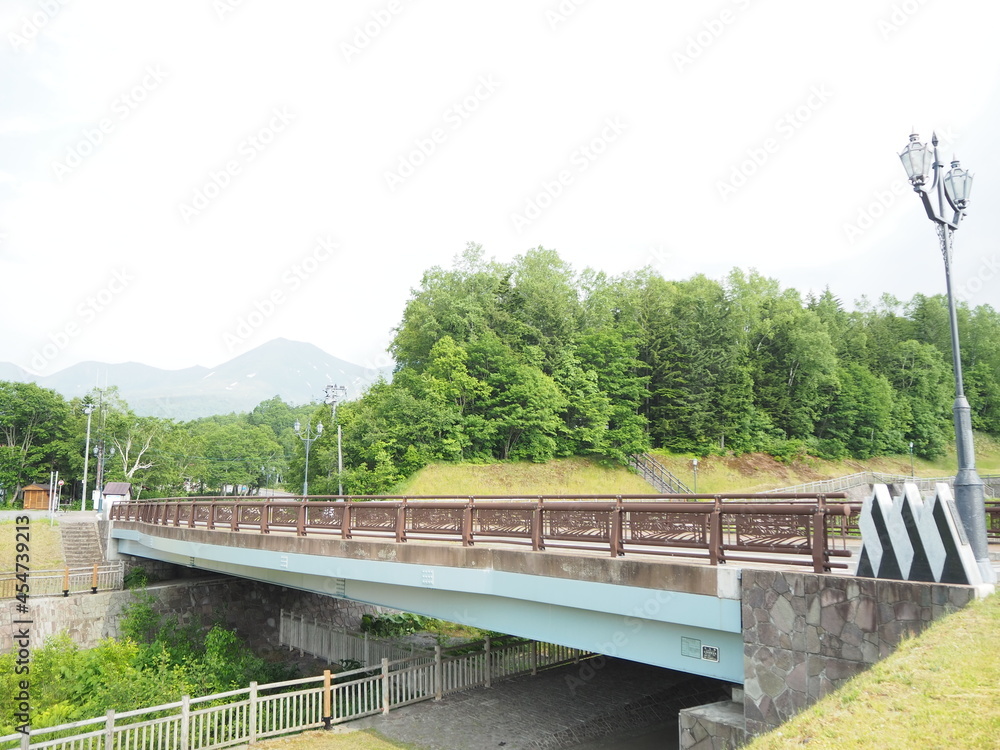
(911,539)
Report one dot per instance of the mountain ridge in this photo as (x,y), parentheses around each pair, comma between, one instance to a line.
(296,371)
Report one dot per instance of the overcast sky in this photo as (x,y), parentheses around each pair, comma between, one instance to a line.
(181,182)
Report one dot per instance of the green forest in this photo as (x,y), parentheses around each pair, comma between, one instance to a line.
(532,360)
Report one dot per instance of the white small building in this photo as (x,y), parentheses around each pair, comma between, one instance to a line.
(115,492)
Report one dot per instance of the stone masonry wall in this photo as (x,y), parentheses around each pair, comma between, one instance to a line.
(251,608)
(805,635)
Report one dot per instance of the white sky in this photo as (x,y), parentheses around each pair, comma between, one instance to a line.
(106,255)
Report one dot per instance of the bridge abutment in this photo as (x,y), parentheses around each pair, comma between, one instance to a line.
(805,635)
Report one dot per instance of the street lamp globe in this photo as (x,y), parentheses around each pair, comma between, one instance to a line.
(918,160)
(957,186)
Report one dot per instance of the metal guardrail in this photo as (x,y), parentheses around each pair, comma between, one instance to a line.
(991,484)
(767,527)
(65,581)
(658,475)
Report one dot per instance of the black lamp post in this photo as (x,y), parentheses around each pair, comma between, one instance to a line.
(923,169)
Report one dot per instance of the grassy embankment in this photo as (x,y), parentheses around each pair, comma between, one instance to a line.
(44,546)
(754,472)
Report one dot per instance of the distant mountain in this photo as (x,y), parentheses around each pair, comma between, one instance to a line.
(295,371)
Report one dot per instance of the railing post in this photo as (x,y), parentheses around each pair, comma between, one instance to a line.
(534,657)
(265,511)
(467,524)
(300,523)
(438,676)
(401,521)
(234,523)
(537,538)
(616,528)
(26,740)
(211,516)
(345,526)
(185,721)
(489,664)
(66,581)
(385,686)
(109,729)
(327,700)
(820,561)
(252,729)
(93,580)
(715,554)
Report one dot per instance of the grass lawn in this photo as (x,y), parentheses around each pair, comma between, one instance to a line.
(941,690)
(44,546)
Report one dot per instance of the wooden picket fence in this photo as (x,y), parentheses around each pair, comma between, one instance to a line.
(260,711)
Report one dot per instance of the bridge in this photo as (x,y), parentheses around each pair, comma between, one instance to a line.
(597,573)
(755,590)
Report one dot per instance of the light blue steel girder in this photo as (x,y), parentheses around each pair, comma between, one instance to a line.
(647,625)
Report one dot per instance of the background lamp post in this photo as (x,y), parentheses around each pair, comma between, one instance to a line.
(88,409)
(923,166)
(335,393)
(307,438)
(912,475)
(694,467)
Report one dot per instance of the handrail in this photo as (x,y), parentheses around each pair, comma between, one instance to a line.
(656,473)
(763,527)
(64,581)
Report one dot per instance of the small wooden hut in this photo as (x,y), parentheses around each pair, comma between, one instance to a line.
(36,497)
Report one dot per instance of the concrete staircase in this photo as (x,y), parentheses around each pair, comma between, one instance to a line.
(81,543)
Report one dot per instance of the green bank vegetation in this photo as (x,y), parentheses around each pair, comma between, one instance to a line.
(158,661)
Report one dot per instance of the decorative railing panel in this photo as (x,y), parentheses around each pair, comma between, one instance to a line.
(786,528)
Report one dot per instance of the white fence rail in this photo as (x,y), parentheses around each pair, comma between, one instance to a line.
(244,716)
(337,644)
(102,577)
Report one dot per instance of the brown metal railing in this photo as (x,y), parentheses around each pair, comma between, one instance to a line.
(749,528)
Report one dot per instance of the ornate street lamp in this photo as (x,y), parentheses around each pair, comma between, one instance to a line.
(923,166)
(307,438)
(88,409)
(334,393)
